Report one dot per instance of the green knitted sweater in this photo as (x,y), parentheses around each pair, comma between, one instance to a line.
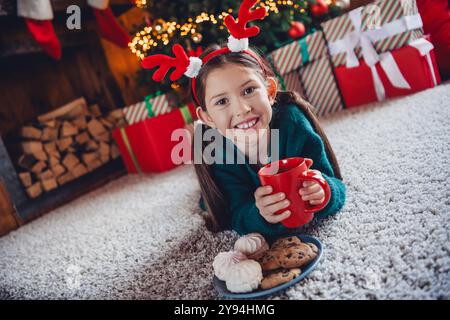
(238,182)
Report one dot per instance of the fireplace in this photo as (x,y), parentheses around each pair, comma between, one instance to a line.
(33,84)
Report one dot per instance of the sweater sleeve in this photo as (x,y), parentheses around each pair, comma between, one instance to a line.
(245,215)
(314,148)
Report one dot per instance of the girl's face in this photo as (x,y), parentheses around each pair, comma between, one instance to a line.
(237,98)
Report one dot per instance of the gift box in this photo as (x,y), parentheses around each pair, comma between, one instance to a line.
(367,31)
(146,146)
(366,50)
(413,66)
(304,66)
(153,105)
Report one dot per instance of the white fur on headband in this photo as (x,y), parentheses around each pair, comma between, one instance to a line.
(237,45)
(194,67)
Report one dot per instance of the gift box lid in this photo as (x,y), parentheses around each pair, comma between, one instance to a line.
(153,105)
(298,53)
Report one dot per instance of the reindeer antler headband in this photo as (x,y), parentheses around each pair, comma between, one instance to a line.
(190,66)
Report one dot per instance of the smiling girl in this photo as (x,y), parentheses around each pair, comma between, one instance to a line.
(237,96)
(238,93)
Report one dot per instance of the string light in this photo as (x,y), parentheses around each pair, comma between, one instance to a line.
(141,3)
(145,39)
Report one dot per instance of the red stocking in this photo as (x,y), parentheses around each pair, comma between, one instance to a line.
(44,34)
(38,17)
(110,29)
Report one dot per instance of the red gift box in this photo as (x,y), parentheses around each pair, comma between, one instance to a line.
(358,84)
(147,146)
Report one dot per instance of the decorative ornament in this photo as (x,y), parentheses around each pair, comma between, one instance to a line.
(319,9)
(297,30)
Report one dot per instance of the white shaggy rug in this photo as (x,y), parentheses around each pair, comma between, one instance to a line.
(143,237)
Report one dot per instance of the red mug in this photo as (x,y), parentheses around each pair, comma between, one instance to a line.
(287,176)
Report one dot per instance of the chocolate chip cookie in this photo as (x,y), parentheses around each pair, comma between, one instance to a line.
(279,277)
(313,247)
(284,242)
(269,260)
(295,255)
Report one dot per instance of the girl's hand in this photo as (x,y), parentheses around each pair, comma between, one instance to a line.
(268,204)
(312,191)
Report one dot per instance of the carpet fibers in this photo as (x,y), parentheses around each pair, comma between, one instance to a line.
(143,237)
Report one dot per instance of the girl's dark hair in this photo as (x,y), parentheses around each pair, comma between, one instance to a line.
(219,217)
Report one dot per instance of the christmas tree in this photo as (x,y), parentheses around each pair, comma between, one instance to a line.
(195,24)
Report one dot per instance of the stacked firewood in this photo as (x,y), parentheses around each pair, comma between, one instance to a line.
(66,144)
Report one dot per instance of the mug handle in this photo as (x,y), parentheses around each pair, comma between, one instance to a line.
(309,176)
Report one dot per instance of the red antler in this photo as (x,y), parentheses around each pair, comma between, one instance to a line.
(238,29)
(180,62)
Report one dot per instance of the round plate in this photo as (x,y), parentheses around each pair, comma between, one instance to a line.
(221,287)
